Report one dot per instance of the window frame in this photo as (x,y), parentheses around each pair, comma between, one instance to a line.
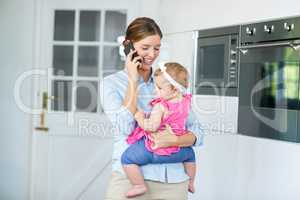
(76,43)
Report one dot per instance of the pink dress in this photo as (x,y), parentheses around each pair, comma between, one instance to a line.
(176,118)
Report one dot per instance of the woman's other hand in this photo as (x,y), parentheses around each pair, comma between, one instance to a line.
(164,138)
(132,65)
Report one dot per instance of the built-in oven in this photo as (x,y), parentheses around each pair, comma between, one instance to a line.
(216,63)
(269,100)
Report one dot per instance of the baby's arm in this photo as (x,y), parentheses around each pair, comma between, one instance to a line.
(152,123)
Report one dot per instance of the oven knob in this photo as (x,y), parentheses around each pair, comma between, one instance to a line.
(268,29)
(250,31)
(288,27)
(233,62)
(233,52)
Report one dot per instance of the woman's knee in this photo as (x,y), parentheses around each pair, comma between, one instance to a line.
(117,187)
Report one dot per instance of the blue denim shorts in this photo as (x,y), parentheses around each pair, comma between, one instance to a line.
(138,154)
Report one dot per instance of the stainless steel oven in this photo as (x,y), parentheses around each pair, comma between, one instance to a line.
(217,61)
(269,100)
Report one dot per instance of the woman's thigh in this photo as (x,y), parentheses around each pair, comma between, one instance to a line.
(119,185)
(170,191)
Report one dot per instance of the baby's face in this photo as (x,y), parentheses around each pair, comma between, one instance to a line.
(163,88)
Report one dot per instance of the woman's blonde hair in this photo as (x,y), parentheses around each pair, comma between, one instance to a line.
(177,72)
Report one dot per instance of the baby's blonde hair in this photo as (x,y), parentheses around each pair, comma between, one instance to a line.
(177,72)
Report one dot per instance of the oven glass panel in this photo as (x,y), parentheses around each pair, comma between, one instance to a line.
(270,78)
(212,62)
(269,93)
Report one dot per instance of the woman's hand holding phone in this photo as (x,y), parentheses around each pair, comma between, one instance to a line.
(132,64)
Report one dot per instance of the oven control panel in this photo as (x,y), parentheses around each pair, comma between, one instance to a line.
(270,31)
(233,62)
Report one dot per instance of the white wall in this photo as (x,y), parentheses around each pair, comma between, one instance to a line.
(232,166)
(16,22)
(149,9)
(199,14)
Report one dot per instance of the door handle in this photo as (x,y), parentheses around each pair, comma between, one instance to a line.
(42,126)
(293,44)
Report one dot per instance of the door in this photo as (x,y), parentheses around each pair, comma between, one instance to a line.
(76,46)
(269,92)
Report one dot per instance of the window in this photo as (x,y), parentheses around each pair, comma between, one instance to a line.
(84,50)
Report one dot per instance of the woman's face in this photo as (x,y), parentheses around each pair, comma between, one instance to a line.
(148,48)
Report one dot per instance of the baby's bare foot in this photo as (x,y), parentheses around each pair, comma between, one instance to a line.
(136,190)
(191,188)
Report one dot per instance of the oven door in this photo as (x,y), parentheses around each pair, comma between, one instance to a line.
(212,61)
(269,92)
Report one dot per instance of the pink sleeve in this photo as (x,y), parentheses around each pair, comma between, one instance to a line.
(188,96)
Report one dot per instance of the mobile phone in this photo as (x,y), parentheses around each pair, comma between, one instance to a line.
(129,47)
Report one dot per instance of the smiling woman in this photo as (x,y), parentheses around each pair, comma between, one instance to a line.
(148,49)
(123,92)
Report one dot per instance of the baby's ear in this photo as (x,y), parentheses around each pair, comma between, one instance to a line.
(177,90)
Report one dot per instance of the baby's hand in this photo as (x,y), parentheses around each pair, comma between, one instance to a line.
(139,115)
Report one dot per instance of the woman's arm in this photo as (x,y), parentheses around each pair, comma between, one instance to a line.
(167,138)
(130,98)
(194,135)
(186,140)
(120,117)
(120,110)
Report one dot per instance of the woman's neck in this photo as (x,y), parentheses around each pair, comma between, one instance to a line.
(145,74)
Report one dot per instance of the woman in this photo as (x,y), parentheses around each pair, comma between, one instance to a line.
(133,87)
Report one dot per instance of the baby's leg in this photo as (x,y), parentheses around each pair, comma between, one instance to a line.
(190,168)
(137,180)
(136,155)
(186,155)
